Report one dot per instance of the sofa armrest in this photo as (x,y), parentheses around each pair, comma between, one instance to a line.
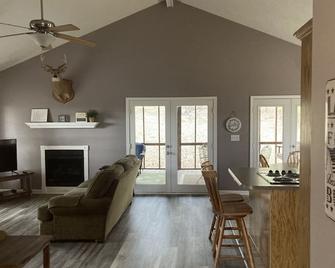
(67,206)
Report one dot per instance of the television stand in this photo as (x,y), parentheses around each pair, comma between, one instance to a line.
(25,184)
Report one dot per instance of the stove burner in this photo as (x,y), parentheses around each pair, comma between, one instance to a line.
(283,173)
(281,177)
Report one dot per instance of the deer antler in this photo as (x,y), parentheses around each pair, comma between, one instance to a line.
(54,71)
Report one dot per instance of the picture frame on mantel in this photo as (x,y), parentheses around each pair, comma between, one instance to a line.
(330,150)
(39,115)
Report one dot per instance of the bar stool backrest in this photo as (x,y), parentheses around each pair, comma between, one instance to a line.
(263,162)
(293,158)
(210,177)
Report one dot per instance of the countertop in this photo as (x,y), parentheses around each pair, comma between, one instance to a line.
(247,178)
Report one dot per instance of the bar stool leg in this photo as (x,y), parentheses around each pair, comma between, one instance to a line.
(212,228)
(218,220)
(246,240)
(218,245)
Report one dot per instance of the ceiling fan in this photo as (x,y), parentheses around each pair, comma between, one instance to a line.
(44,32)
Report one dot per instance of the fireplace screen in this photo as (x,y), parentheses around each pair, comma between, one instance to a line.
(64,168)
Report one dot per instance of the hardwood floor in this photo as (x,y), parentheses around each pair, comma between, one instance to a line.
(156,231)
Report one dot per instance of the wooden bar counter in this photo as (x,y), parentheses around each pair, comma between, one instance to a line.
(272,225)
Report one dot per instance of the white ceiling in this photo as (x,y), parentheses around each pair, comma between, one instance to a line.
(88,15)
(280,18)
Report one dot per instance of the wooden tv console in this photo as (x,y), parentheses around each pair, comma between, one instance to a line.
(25,182)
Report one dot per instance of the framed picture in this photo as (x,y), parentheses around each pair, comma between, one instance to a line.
(39,115)
(81,117)
(63,118)
(330,151)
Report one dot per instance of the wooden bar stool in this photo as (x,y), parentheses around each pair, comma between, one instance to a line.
(225,198)
(228,211)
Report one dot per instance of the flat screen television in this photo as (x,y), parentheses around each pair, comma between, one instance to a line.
(8,156)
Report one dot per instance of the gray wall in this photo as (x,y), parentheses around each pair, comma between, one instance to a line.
(322,228)
(156,52)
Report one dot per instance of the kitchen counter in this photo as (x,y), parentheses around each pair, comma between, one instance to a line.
(248,178)
(273,223)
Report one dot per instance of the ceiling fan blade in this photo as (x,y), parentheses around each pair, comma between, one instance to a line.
(14,25)
(64,28)
(75,39)
(9,35)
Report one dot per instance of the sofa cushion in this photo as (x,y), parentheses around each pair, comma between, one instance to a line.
(103,181)
(127,162)
(86,184)
(65,200)
(77,191)
(43,213)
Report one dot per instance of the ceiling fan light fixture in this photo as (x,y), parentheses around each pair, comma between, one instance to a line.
(44,40)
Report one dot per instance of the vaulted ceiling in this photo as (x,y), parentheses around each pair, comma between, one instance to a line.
(277,18)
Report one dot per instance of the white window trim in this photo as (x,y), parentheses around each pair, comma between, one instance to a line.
(252,125)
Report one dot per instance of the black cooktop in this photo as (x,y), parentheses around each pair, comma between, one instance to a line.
(280,177)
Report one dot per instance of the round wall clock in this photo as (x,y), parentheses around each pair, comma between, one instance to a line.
(233,124)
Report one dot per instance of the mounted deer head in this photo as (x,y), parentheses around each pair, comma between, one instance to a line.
(62,89)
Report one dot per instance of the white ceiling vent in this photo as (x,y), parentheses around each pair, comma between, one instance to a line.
(169,3)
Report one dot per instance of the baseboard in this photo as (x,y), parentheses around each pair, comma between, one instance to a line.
(245,193)
(149,193)
(38,191)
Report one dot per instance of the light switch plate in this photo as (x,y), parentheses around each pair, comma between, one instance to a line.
(235,137)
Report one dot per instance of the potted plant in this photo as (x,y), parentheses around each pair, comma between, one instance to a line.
(92,115)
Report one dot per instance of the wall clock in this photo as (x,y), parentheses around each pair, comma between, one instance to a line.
(233,124)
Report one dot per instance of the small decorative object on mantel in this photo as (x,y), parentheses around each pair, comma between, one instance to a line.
(81,117)
(233,124)
(39,115)
(92,115)
(63,118)
(62,89)
(3,235)
(330,151)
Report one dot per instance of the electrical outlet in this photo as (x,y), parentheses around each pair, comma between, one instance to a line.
(235,137)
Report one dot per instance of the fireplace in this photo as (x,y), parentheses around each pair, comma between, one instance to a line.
(63,167)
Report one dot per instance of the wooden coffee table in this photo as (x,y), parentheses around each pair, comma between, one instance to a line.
(16,251)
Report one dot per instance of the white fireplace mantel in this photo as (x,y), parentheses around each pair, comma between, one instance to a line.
(61,190)
(63,125)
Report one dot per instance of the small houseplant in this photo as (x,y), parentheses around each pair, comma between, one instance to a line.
(92,115)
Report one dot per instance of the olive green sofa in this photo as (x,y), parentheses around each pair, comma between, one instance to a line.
(90,211)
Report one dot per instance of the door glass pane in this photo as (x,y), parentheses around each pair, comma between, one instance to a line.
(202,124)
(271,133)
(192,130)
(150,131)
(187,123)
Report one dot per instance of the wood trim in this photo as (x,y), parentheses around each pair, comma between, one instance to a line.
(303,195)
(305,30)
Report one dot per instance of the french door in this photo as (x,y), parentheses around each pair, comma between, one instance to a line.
(274,128)
(174,131)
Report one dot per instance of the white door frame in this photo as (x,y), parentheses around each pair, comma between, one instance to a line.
(129,148)
(253,128)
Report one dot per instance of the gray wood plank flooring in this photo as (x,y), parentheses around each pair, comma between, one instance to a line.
(156,231)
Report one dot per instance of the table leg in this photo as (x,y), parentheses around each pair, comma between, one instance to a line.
(46,257)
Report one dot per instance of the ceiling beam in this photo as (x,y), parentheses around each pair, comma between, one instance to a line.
(169,3)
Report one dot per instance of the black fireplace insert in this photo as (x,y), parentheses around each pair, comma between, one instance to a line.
(64,168)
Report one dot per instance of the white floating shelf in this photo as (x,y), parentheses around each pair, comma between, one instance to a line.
(63,125)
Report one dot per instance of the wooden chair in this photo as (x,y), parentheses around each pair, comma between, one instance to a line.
(226,198)
(228,211)
(293,158)
(263,162)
